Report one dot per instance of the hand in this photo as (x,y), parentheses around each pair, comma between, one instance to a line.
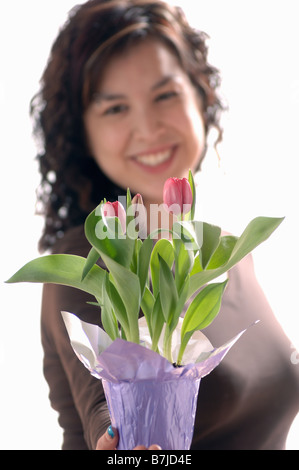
(109,441)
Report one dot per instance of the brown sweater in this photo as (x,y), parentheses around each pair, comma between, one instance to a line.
(248,402)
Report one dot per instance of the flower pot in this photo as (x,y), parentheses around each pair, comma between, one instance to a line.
(150,401)
(153,411)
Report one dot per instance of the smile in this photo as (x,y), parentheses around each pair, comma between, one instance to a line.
(154,159)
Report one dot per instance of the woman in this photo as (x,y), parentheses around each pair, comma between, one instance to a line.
(127,100)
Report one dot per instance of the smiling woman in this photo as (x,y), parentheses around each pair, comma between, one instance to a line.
(168,112)
(141,131)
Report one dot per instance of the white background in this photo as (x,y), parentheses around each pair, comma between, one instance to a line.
(255,45)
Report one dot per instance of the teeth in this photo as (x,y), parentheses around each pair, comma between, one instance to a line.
(154,159)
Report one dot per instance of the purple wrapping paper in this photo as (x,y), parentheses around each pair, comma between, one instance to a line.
(152,411)
(150,401)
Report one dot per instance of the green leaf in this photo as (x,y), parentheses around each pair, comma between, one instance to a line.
(168,292)
(180,304)
(204,307)
(223,252)
(210,241)
(184,260)
(147,305)
(257,231)
(62,269)
(144,262)
(108,317)
(128,287)
(163,248)
(190,232)
(156,323)
(201,312)
(135,257)
(129,215)
(117,255)
(197,267)
(91,259)
(107,238)
(118,307)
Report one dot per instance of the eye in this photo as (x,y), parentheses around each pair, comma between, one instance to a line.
(166,95)
(115,109)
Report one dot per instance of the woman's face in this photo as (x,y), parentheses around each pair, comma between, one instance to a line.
(145,124)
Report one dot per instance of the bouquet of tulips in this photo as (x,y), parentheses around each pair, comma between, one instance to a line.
(148,282)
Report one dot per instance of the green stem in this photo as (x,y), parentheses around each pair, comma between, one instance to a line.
(184,342)
(167,345)
(134,336)
(180,356)
(132,332)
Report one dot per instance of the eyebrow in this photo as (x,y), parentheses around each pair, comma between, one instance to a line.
(102,96)
(163,82)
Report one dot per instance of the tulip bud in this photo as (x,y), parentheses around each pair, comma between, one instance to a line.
(139,214)
(137,199)
(177,196)
(115,209)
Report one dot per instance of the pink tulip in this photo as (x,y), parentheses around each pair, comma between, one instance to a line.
(139,214)
(115,209)
(177,195)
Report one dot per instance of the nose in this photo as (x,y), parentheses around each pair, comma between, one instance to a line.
(147,124)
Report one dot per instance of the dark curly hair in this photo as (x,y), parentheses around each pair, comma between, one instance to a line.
(72,184)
